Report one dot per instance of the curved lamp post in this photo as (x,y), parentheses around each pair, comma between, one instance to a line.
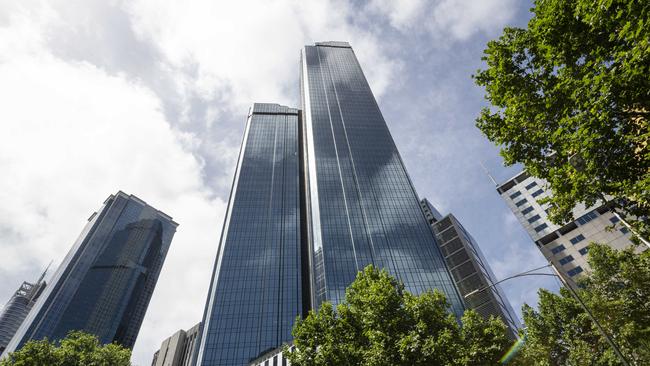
(571,290)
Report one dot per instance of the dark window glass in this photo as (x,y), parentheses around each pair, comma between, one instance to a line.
(575,271)
(584,250)
(558,249)
(537,193)
(566,260)
(614,219)
(587,217)
(541,227)
(533,184)
(533,219)
(577,239)
(515,195)
(526,210)
(518,204)
(625,230)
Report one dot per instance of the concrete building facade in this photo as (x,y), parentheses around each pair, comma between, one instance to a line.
(565,246)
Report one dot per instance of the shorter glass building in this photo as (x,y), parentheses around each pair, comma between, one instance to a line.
(179,349)
(256,290)
(17,308)
(104,284)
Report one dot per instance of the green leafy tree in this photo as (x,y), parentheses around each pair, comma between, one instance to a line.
(570,99)
(379,323)
(77,349)
(617,292)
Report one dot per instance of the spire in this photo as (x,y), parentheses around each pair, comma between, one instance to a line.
(488,173)
(44,272)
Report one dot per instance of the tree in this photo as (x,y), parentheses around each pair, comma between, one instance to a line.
(379,323)
(617,292)
(570,99)
(77,349)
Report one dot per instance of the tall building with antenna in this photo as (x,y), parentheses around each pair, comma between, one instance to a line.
(17,308)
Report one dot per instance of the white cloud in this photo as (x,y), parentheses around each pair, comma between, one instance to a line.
(248,50)
(447,20)
(70,134)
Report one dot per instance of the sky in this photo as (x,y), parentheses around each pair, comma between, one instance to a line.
(150,97)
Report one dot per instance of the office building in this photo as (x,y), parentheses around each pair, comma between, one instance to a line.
(318,195)
(362,206)
(16,309)
(179,349)
(469,269)
(104,284)
(273,357)
(566,246)
(255,294)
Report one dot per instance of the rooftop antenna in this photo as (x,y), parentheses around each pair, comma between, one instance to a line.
(44,272)
(488,174)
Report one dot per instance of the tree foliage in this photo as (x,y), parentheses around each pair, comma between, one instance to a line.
(618,294)
(77,349)
(379,323)
(570,99)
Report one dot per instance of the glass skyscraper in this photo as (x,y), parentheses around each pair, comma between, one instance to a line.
(255,295)
(104,284)
(318,195)
(363,208)
(17,308)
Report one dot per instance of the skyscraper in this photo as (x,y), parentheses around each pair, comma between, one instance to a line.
(566,246)
(178,349)
(104,284)
(469,269)
(256,289)
(317,196)
(17,308)
(362,206)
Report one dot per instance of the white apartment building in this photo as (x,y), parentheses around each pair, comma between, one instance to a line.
(565,246)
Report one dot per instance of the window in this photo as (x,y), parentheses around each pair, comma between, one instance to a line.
(515,195)
(533,219)
(521,202)
(584,250)
(577,239)
(537,193)
(625,230)
(587,217)
(531,185)
(541,227)
(614,219)
(575,271)
(526,210)
(567,259)
(558,249)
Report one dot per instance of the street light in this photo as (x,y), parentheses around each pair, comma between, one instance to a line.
(571,290)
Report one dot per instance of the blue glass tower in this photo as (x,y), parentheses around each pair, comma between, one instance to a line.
(256,289)
(362,206)
(104,284)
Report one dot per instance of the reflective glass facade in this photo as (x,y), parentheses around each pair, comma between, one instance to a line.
(16,309)
(255,295)
(363,208)
(104,284)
